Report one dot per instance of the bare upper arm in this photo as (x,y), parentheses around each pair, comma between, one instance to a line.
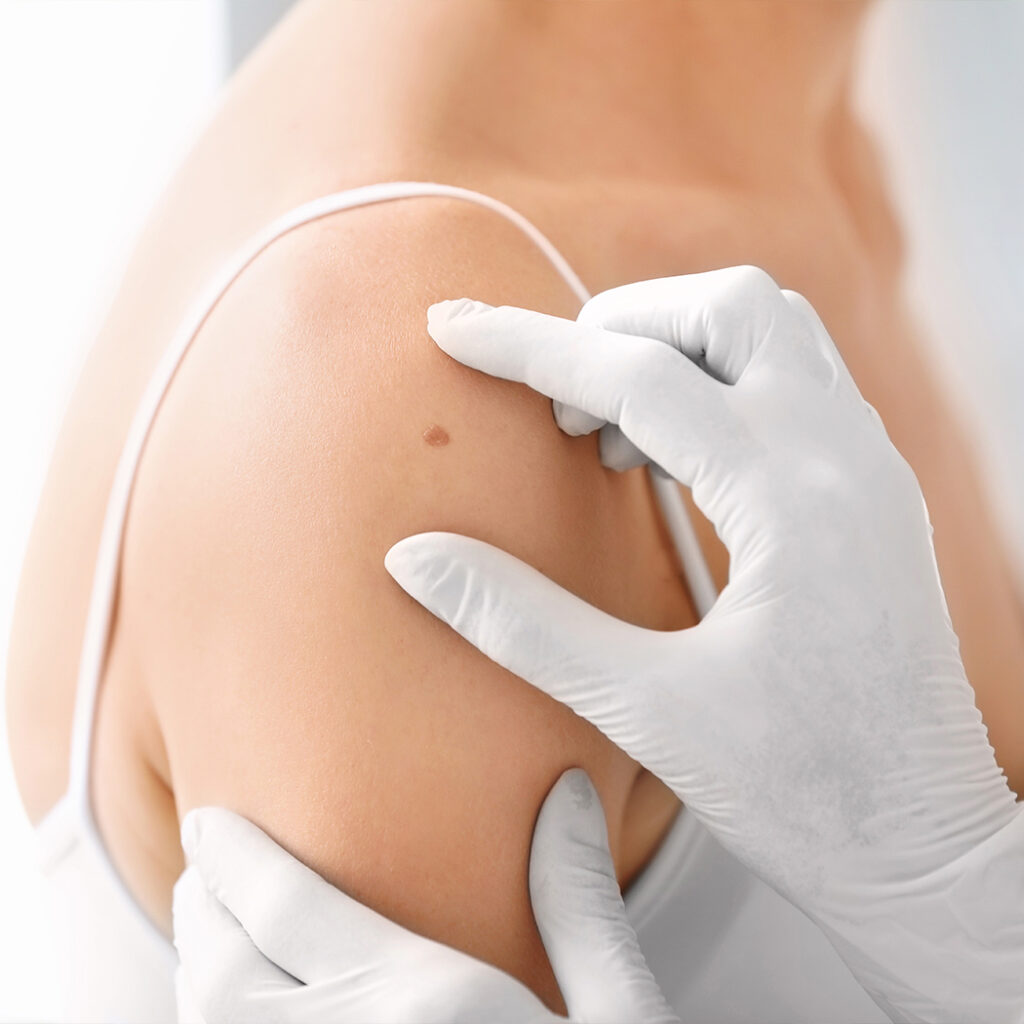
(292,678)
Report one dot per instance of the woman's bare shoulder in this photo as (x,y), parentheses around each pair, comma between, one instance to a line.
(314,424)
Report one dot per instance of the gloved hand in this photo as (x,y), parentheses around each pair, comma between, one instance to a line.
(262,938)
(818,720)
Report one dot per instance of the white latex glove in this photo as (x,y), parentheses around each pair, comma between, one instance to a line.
(818,721)
(262,938)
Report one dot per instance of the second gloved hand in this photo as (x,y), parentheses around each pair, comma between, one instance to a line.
(265,940)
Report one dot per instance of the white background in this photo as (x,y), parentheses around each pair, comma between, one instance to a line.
(99,100)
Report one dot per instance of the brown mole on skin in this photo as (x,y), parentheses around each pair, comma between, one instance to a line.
(435,436)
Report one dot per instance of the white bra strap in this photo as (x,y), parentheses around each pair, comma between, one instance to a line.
(108,558)
(105,577)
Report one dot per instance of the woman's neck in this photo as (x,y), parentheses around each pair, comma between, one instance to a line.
(741,93)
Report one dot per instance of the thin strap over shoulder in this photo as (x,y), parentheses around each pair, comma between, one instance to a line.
(105,578)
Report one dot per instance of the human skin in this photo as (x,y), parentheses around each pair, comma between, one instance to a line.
(261,656)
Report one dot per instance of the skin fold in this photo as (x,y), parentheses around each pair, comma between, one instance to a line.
(261,657)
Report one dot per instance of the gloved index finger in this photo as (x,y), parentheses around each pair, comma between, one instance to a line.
(294,916)
(666,405)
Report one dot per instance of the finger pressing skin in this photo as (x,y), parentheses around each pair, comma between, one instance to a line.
(666,405)
(526,623)
(295,917)
(578,906)
(219,961)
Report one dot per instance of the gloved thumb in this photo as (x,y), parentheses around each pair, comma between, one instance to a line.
(222,975)
(580,914)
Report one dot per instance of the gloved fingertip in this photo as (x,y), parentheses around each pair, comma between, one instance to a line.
(575,422)
(576,782)
(432,569)
(574,808)
(588,814)
(443,312)
(397,558)
(406,560)
(617,452)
